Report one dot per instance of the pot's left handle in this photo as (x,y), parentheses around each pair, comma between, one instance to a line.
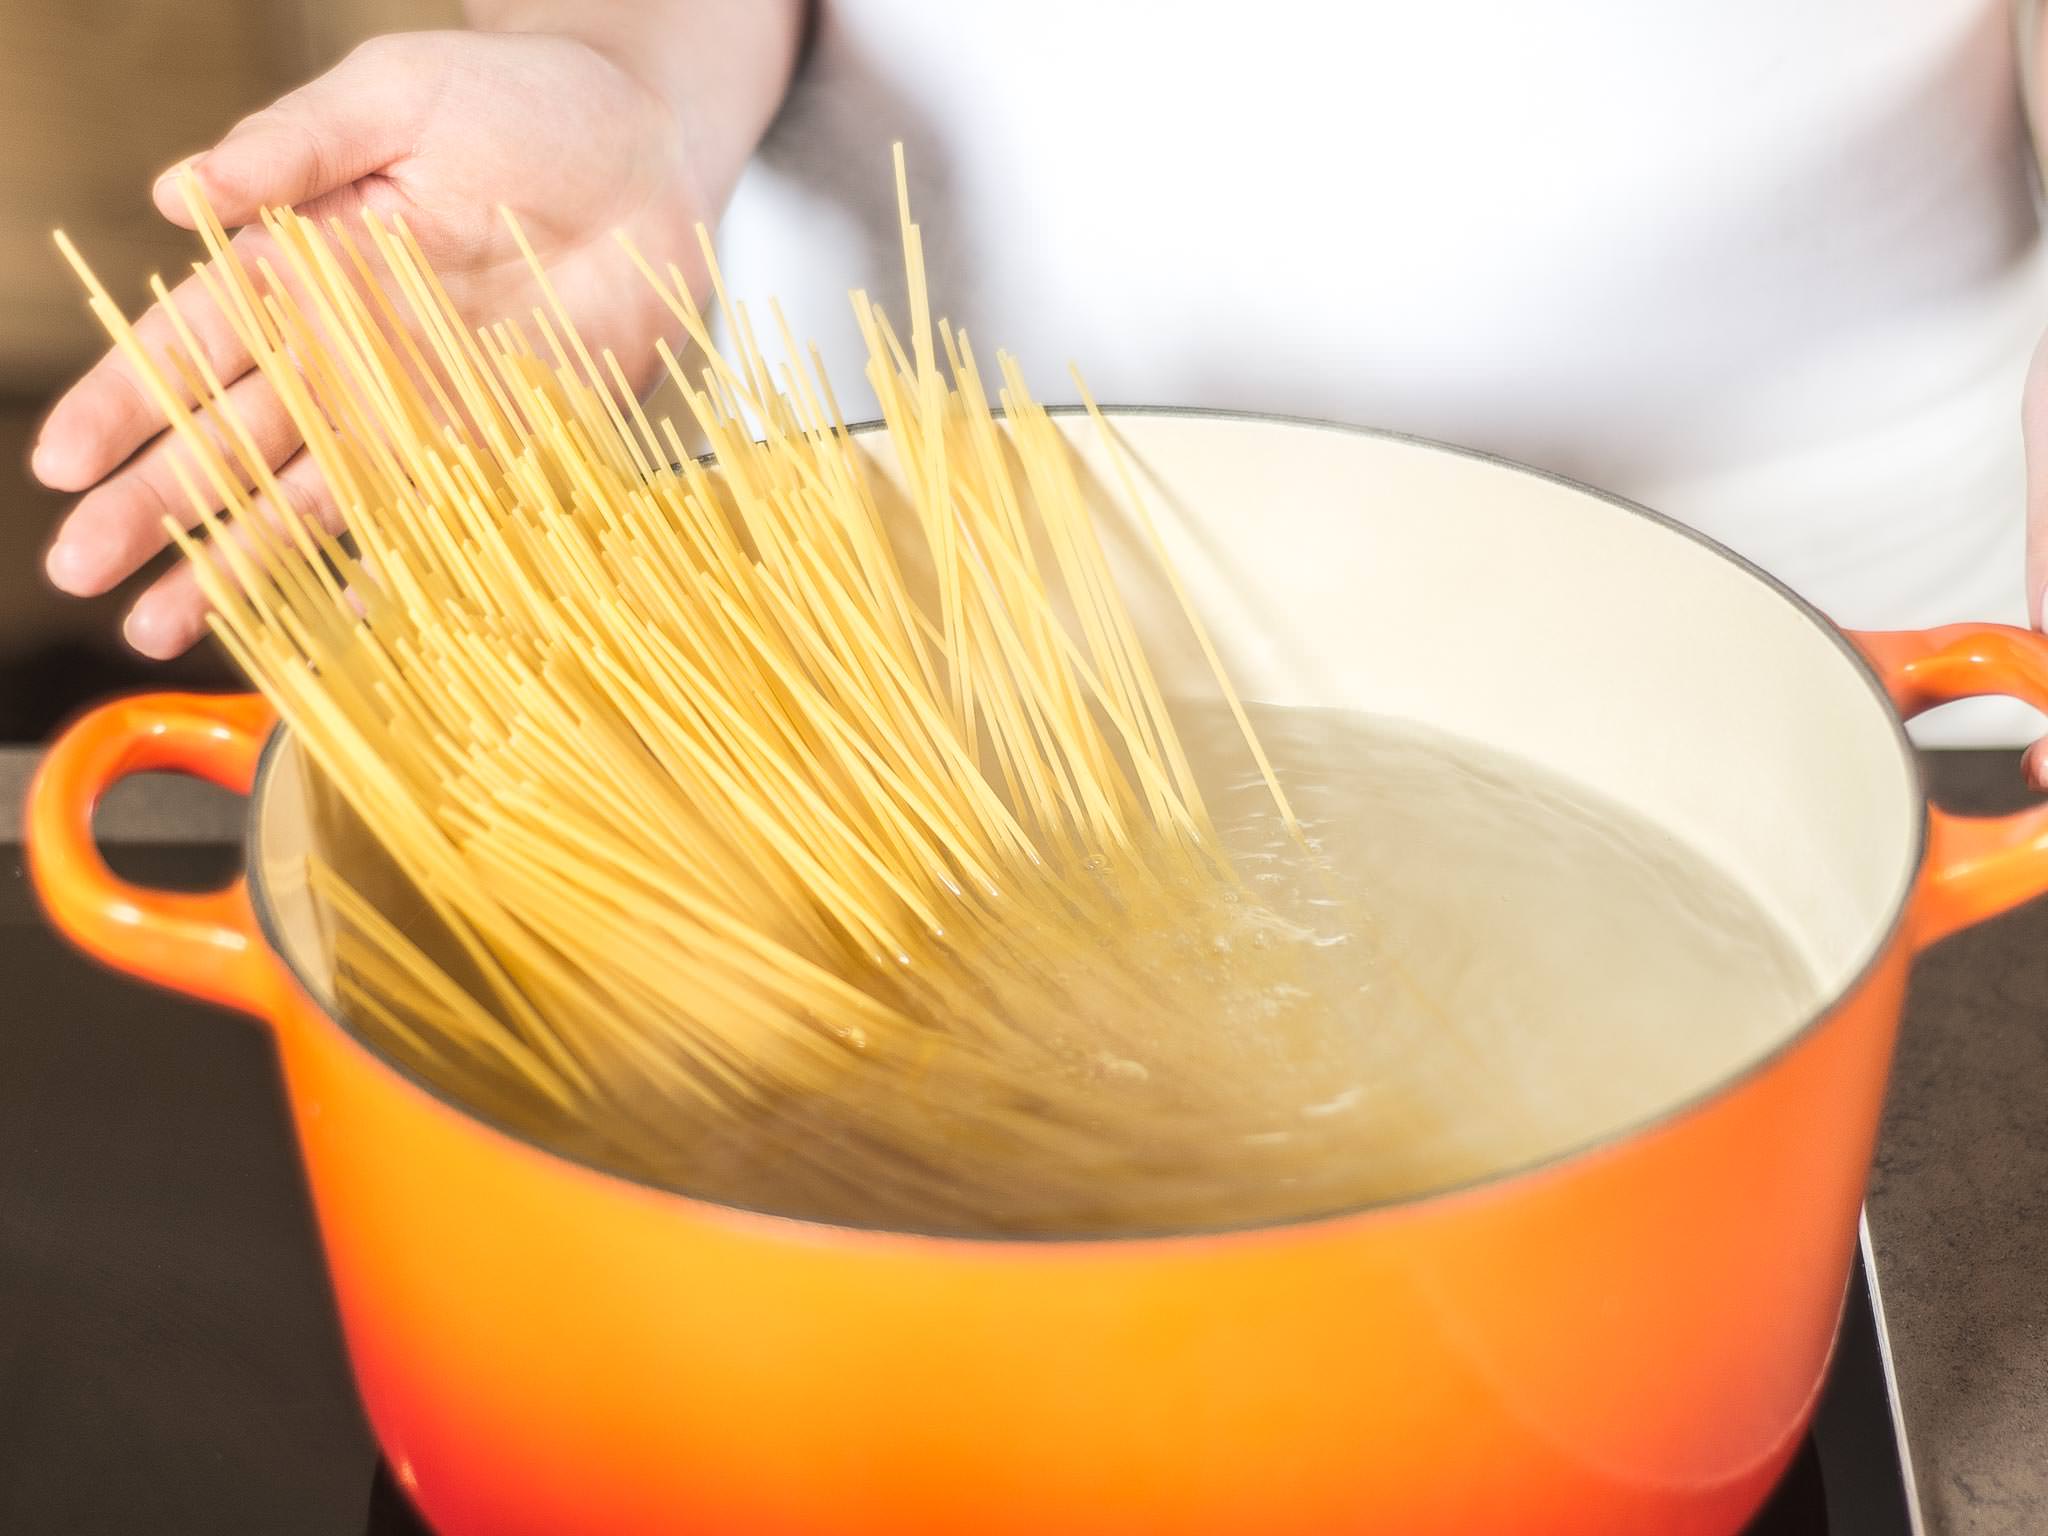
(1977,866)
(206,944)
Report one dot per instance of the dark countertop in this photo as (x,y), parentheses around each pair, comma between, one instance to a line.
(1958,1217)
(169,1359)
(1959,1204)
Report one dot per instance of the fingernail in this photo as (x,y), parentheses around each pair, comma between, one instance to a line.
(61,565)
(142,631)
(190,162)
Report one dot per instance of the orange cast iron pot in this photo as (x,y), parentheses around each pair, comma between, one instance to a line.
(1625,1339)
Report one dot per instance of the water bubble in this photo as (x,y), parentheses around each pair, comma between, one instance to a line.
(1334,1106)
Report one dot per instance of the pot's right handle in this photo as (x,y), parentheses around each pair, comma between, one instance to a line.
(205,944)
(1977,866)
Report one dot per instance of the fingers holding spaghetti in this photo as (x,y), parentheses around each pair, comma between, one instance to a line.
(119,525)
(109,413)
(169,618)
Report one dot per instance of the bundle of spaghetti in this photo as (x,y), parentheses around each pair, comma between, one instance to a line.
(755,801)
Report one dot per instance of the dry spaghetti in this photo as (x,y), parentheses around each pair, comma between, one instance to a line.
(768,822)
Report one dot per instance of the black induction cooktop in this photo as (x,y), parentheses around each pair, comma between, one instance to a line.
(169,1358)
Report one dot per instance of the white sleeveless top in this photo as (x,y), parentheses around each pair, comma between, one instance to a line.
(1769,266)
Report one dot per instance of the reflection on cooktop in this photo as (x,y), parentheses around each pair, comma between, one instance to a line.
(1798,1508)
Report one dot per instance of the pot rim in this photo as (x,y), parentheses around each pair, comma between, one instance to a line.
(1887,937)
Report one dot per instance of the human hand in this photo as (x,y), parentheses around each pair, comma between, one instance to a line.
(2034,434)
(441,129)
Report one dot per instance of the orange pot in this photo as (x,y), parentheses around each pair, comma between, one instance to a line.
(1628,1338)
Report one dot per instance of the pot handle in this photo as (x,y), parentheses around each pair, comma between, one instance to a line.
(1977,866)
(206,944)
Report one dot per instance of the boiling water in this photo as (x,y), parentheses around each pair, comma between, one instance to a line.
(1464,965)
(1495,963)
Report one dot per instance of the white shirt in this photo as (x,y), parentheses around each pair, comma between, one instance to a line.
(1769,266)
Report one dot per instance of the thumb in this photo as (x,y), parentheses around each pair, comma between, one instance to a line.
(351,122)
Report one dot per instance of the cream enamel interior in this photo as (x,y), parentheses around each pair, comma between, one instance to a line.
(1356,570)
